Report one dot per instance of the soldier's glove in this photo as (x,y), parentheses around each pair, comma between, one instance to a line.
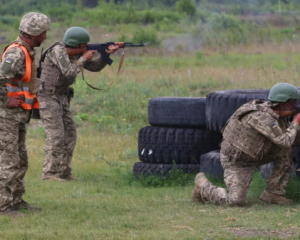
(14,101)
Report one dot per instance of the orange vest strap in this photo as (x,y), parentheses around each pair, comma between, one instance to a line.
(28,61)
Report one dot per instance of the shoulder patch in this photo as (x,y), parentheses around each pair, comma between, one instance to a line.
(275,129)
(62,60)
(274,125)
(6,65)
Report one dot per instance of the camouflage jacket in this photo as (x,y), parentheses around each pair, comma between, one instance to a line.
(68,68)
(263,126)
(12,67)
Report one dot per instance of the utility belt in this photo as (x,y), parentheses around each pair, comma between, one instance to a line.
(67,91)
(48,90)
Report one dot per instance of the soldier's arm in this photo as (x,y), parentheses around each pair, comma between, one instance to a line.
(11,67)
(96,64)
(268,126)
(60,58)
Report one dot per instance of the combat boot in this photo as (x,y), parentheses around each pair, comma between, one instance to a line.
(274,198)
(53,178)
(25,205)
(71,178)
(200,181)
(11,212)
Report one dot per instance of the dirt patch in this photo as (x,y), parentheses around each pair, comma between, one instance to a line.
(241,232)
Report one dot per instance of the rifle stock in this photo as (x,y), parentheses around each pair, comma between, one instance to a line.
(286,113)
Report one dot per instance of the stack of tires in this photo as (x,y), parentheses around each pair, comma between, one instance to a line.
(185,133)
(176,138)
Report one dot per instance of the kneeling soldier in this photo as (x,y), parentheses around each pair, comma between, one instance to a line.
(257,133)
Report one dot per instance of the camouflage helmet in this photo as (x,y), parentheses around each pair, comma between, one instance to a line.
(75,36)
(34,23)
(282,92)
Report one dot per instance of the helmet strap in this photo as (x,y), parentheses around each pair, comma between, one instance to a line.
(37,43)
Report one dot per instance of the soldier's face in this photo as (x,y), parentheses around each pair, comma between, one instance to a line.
(82,45)
(42,37)
(290,105)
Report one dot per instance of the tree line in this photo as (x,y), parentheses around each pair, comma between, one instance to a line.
(18,8)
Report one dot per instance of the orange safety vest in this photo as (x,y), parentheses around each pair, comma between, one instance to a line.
(28,100)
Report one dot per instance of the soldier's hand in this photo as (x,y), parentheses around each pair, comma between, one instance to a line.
(89,54)
(112,49)
(14,101)
(296,118)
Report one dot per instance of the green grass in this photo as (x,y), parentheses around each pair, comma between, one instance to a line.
(109,202)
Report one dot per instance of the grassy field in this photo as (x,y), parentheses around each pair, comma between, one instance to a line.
(109,203)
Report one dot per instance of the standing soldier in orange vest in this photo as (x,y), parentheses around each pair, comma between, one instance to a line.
(18,87)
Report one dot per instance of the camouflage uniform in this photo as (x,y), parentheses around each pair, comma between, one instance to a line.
(13,160)
(275,136)
(54,94)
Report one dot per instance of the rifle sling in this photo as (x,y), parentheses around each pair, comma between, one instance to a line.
(95,88)
(119,69)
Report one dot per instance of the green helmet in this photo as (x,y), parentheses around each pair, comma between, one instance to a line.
(75,36)
(282,92)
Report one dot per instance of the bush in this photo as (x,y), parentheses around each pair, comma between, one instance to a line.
(143,36)
(115,14)
(224,21)
(61,14)
(7,20)
(186,6)
(221,30)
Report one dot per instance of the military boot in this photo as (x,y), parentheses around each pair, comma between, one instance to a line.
(274,198)
(200,181)
(26,206)
(53,178)
(11,212)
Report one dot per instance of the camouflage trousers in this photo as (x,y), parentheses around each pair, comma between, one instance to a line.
(13,162)
(61,137)
(238,173)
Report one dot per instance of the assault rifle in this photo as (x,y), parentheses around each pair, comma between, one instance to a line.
(101,48)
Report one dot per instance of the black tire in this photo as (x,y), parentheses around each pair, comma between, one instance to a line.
(296,161)
(210,164)
(221,105)
(266,170)
(177,112)
(175,145)
(146,169)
